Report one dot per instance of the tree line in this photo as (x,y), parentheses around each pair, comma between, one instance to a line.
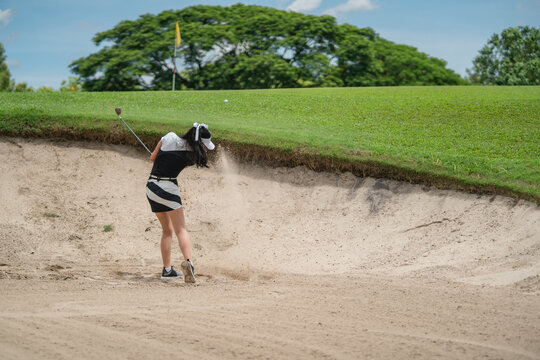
(256,47)
(511,58)
(251,47)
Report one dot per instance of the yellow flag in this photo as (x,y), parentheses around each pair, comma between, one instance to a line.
(178,38)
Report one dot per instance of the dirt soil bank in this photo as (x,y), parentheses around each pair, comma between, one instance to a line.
(291,263)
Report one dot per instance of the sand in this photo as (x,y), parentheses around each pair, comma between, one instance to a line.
(291,263)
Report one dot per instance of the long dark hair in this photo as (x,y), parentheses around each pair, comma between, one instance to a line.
(199,153)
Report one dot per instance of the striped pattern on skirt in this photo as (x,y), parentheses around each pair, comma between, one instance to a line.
(163,195)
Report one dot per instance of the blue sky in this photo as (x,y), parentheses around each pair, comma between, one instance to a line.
(42,37)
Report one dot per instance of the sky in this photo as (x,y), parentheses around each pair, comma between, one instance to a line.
(42,37)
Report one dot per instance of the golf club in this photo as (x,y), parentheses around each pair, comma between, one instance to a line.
(118,112)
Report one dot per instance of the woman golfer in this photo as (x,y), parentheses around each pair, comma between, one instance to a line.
(171,155)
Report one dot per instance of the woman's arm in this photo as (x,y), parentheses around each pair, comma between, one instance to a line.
(156,150)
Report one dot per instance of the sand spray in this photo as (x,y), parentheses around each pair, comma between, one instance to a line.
(234,204)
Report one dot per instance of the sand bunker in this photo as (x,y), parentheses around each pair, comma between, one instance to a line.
(252,227)
(59,196)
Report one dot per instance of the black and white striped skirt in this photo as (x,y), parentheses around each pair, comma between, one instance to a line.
(163,195)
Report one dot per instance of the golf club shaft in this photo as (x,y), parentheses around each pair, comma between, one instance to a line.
(135,135)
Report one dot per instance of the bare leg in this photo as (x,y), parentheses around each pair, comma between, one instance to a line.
(179,227)
(166,237)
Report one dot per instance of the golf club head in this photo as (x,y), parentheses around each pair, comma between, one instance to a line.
(118,111)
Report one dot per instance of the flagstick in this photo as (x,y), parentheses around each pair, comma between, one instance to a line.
(174,66)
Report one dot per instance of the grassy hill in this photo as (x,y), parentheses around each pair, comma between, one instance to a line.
(484,139)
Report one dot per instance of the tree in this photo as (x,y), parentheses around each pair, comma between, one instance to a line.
(22,87)
(5,75)
(405,65)
(511,58)
(6,82)
(247,47)
(72,84)
(356,58)
(44,89)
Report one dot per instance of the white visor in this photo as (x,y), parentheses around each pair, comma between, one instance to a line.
(208,143)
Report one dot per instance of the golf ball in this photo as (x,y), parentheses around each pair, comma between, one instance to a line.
(225,101)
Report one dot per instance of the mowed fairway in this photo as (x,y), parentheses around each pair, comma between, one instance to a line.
(486,137)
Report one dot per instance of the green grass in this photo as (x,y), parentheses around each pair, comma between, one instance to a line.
(108,228)
(482,136)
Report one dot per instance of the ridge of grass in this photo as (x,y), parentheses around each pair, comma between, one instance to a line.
(482,139)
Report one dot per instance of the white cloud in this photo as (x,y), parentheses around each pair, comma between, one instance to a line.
(304,5)
(351,5)
(5,16)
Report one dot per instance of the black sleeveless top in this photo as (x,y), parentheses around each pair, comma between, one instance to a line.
(174,155)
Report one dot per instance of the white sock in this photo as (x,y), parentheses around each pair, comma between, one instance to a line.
(168,269)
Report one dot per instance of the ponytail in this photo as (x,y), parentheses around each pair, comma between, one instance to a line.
(199,153)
